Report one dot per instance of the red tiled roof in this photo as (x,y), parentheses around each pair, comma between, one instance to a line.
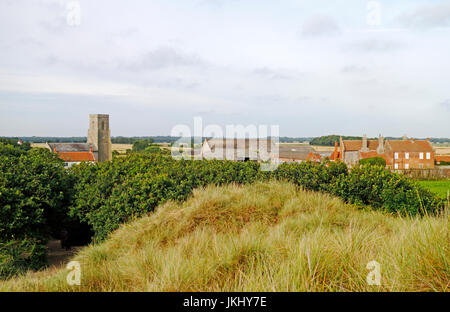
(356,145)
(76,156)
(314,156)
(410,146)
(440,158)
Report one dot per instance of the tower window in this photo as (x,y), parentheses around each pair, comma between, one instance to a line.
(103,125)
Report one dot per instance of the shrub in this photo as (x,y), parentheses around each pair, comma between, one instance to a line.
(35,191)
(373,161)
(35,194)
(116,192)
(18,256)
(383,189)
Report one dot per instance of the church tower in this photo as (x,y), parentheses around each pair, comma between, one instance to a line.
(99,136)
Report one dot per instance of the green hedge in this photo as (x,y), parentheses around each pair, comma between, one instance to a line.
(112,193)
(19,256)
(35,192)
(373,161)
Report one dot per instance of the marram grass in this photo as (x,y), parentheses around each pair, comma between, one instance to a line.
(261,237)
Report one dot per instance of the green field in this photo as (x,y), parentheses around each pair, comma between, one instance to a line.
(439,187)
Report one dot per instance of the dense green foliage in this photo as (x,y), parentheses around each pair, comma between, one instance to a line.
(112,193)
(18,256)
(35,193)
(14,142)
(382,189)
(373,161)
(141,145)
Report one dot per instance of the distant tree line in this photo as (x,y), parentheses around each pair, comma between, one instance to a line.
(327,140)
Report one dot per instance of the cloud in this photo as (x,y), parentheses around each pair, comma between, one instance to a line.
(319,25)
(375,44)
(354,69)
(428,16)
(164,57)
(446,104)
(271,74)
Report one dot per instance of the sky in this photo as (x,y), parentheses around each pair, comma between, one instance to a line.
(313,68)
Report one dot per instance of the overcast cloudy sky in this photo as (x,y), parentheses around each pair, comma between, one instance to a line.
(312,67)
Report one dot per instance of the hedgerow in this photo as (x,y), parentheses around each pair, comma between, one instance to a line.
(19,256)
(112,193)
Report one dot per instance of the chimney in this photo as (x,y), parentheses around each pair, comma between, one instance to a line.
(364,148)
(380,148)
(412,140)
(54,149)
(90,149)
(405,138)
(335,150)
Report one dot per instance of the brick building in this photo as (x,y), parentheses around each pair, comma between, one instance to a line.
(399,154)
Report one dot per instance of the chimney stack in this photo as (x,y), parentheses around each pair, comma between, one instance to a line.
(364,148)
(405,137)
(380,148)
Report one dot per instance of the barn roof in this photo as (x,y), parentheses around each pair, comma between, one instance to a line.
(69,147)
(356,145)
(240,143)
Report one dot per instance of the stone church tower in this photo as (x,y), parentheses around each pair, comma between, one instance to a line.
(99,136)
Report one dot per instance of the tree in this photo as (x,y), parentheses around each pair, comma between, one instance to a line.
(141,145)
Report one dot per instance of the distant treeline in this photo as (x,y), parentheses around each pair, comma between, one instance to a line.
(327,140)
